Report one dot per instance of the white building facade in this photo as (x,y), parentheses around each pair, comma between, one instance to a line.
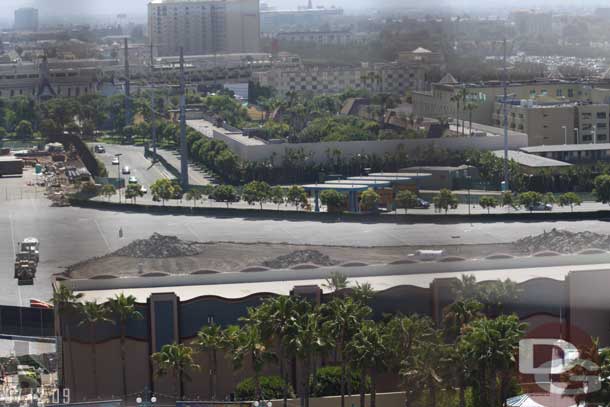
(204,26)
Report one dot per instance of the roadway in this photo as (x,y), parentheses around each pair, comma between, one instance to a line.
(69,235)
(132,156)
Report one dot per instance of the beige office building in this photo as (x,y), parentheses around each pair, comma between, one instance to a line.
(204,26)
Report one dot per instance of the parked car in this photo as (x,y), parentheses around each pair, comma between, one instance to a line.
(541,207)
(115,161)
(144,190)
(133,180)
(100,149)
(422,204)
(126,170)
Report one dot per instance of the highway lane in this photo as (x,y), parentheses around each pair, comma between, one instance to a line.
(133,156)
(69,235)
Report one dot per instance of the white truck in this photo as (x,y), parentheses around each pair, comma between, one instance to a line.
(26,261)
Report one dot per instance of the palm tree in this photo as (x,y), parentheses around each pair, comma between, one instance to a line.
(368,353)
(309,340)
(428,361)
(210,339)
(248,343)
(123,309)
(490,345)
(363,293)
(277,315)
(65,301)
(178,359)
(94,314)
(342,318)
(404,335)
(470,106)
(336,282)
(460,314)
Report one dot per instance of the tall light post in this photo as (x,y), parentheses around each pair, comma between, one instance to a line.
(262,403)
(118,171)
(565,134)
(149,399)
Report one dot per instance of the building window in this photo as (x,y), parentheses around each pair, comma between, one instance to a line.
(601,115)
(570,93)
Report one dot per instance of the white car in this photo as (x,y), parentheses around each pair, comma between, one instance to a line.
(115,161)
(126,170)
(133,180)
(144,190)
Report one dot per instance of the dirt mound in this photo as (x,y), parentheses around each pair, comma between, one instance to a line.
(300,257)
(159,247)
(563,241)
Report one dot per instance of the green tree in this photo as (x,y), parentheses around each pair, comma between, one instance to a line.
(193,195)
(297,197)
(488,202)
(406,200)
(508,200)
(570,199)
(549,199)
(368,352)
(491,345)
(210,339)
(108,191)
(336,282)
(65,302)
(256,192)
(123,309)
(247,343)
(445,200)
(333,199)
(162,190)
(133,192)
(342,316)
(93,314)
(24,130)
(309,340)
(277,315)
(530,199)
(225,193)
(404,336)
(178,359)
(601,189)
(278,196)
(369,200)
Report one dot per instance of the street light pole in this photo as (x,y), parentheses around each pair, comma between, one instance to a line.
(148,401)
(118,157)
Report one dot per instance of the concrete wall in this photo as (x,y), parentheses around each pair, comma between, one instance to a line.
(590,303)
(396,399)
(320,152)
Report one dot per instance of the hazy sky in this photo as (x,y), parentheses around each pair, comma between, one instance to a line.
(138,7)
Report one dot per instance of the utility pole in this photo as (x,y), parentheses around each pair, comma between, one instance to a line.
(505,109)
(184,168)
(127,85)
(153,123)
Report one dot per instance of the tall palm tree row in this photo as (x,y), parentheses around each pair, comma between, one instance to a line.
(471,349)
(123,309)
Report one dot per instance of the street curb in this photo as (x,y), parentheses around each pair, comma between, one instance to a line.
(345,217)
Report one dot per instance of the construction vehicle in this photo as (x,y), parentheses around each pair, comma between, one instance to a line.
(26,262)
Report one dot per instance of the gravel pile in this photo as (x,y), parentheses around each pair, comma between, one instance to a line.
(563,241)
(300,257)
(159,247)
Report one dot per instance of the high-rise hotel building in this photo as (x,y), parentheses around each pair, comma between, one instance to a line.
(204,26)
